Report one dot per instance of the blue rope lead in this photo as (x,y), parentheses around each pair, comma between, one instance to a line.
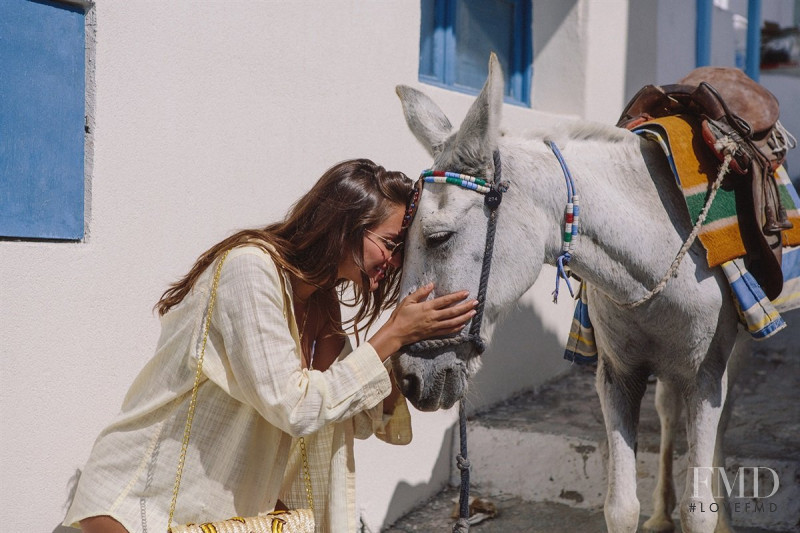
(462,461)
(567,174)
(561,272)
(570,224)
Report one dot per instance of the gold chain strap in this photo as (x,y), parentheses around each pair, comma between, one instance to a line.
(306,475)
(193,404)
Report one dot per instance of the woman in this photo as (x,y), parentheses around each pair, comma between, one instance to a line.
(278,368)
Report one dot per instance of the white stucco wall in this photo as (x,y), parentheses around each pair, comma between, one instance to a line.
(579,57)
(208,117)
(213,116)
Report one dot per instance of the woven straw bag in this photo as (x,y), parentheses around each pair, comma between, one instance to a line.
(298,520)
(294,521)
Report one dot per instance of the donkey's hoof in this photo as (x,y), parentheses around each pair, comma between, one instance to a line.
(659,524)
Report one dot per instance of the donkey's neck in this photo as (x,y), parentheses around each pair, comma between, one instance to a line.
(627,238)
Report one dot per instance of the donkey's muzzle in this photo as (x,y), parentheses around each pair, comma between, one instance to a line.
(431,383)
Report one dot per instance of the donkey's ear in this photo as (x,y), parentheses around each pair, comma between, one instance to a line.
(479,130)
(424,118)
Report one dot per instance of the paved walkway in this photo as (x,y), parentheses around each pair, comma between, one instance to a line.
(765,423)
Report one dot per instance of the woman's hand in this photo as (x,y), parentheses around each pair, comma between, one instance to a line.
(416,318)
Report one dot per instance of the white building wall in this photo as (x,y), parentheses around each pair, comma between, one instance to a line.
(214,116)
(209,117)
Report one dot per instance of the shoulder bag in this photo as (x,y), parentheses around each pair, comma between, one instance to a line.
(294,521)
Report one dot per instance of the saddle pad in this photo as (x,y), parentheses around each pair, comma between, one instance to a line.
(760,316)
(789,298)
(581,347)
(695,169)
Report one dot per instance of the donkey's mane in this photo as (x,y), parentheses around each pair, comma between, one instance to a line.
(580,130)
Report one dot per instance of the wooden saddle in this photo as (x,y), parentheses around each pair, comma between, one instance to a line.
(732,107)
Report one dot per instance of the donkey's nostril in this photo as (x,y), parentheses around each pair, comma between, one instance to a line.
(410,387)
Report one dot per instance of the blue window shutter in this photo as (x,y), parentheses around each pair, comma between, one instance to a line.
(42,109)
(427,36)
(456,37)
(483,27)
(436,40)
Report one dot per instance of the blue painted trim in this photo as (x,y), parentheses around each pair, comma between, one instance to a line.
(703,33)
(450,48)
(42,60)
(468,90)
(439,39)
(753,58)
(525,69)
(445,47)
(520,77)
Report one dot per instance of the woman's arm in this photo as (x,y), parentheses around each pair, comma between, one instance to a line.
(263,363)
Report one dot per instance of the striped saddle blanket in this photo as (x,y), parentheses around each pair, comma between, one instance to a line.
(695,169)
(758,314)
(719,236)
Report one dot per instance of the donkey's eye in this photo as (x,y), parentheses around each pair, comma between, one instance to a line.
(439,238)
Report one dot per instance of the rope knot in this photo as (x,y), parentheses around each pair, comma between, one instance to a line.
(461,526)
(561,273)
(726,145)
(462,463)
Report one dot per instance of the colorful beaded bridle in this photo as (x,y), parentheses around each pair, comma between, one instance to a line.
(493,195)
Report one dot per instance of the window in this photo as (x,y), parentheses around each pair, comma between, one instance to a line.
(42,110)
(457,36)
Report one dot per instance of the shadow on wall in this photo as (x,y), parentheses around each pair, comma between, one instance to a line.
(407,497)
(523,355)
(548,19)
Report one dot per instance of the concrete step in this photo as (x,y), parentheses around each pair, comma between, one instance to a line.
(541,456)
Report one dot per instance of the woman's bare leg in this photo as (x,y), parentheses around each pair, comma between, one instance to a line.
(101,524)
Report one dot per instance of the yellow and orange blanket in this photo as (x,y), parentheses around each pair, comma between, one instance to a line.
(695,169)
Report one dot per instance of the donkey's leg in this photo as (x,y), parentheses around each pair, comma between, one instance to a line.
(705,402)
(724,514)
(738,358)
(668,405)
(620,398)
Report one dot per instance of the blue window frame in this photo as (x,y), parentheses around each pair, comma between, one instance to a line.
(457,36)
(42,120)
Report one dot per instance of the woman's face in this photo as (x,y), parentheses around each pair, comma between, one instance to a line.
(380,250)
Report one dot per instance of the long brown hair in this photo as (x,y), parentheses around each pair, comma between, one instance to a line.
(320,228)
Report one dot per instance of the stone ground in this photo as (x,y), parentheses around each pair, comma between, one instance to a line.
(514,515)
(765,423)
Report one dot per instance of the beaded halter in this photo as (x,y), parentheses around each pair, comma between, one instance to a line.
(493,194)
(462,180)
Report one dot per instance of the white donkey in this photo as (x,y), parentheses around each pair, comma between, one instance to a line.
(633,221)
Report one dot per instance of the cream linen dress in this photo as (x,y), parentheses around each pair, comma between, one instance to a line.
(253,403)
